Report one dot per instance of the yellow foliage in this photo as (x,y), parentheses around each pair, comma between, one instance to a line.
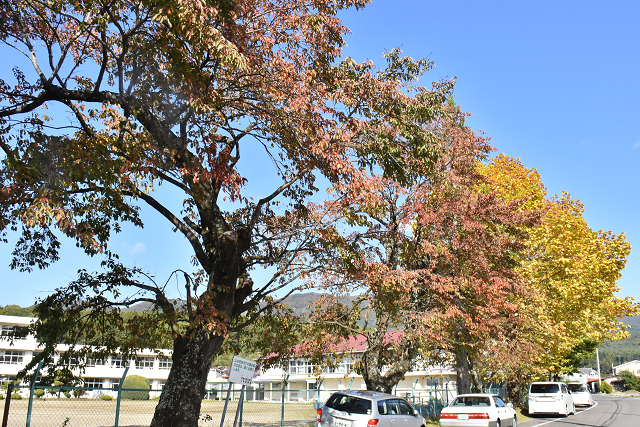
(571,269)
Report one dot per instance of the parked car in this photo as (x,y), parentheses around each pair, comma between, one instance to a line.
(581,394)
(362,408)
(478,409)
(550,398)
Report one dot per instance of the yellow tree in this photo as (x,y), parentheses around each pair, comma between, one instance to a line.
(571,270)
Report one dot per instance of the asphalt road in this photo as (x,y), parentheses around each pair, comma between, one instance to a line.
(609,411)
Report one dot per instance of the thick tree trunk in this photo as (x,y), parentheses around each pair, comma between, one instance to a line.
(180,402)
(372,363)
(374,380)
(193,352)
(462,372)
(513,392)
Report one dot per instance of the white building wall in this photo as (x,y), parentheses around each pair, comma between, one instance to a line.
(299,374)
(633,366)
(14,356)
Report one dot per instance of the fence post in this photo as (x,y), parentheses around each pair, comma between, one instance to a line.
(226,404)
(432,402)
(318,399)
(7,404)
(239,407)
(33,386)
(447,389)
(120,395)
(284,386)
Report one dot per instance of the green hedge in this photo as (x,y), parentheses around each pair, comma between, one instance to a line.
(136,382)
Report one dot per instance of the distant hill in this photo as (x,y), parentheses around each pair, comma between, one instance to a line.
(613,353)
(298,302)
(632,321)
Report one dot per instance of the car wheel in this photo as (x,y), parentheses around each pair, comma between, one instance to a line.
(515,421)
(498,423)
(566,411)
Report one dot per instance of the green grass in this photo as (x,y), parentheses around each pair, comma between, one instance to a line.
(522,416)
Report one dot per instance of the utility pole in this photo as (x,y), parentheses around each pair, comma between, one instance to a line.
(599,376)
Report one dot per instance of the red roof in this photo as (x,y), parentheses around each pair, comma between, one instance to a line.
(357,343)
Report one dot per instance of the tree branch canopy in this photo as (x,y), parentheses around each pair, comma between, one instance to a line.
(176,93)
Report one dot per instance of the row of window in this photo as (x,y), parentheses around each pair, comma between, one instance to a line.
(304,367)
(109,383)
(14,357)
(143,362)
(11,357)
(10,330)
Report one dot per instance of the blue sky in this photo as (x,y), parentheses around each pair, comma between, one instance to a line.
(555,83)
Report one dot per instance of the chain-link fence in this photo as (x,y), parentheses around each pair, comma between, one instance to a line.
(90,407)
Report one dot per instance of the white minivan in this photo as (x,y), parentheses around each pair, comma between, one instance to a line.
(550,398)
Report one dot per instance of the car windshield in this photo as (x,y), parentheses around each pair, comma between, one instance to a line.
(544,388)
(351,404)
(579,388)
(471,401)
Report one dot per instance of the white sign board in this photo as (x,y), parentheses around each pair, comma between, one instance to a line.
(242,371)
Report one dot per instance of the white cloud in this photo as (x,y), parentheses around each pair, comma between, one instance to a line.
(138,248)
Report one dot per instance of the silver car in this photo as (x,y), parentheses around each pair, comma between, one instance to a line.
(362,408)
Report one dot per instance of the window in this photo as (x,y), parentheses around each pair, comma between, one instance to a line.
(7,379)
(471,401)
(11,330)
(144,362)
(11,357)
(405,409)
(117,362)
(544,388)
(93,382)
(352,404)
(91,363)
(165,363)
(300,367)
(433,382)
(578,388)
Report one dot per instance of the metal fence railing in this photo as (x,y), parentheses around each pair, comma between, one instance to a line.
(87,407)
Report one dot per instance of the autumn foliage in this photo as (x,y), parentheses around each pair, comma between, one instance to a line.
(114,107)
(572,272)
(112,103)
(432,265)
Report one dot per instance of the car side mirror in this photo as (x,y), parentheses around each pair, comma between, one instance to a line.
(509,405)
(415,413)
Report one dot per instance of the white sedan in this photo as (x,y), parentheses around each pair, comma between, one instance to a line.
(477,409)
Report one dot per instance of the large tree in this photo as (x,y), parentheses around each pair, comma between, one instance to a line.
(117,97)
(572,272)
(431,265)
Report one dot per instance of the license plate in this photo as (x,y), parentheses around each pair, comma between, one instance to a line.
(463,416)
(341,423)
